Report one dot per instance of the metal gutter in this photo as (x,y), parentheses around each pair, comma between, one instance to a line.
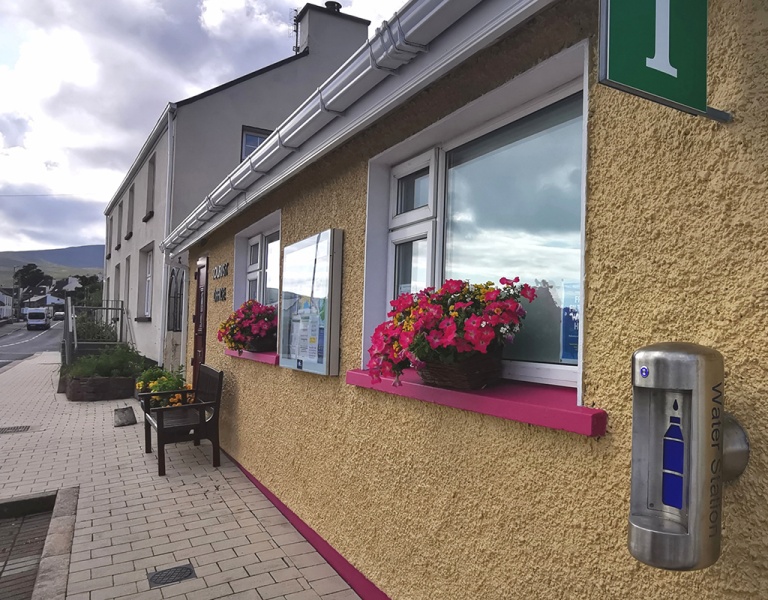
(397,43)
(170,127)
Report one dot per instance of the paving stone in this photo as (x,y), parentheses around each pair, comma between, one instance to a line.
(125,511)
(279,589)
(328,585)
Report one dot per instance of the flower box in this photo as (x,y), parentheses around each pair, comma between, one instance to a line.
(453,336)
(251,328)
(89,389)
(474,372)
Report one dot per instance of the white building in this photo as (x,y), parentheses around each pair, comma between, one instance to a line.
(194,145)
(6,305)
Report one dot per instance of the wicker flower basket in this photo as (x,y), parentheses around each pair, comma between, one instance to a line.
(263,344)
(474,372)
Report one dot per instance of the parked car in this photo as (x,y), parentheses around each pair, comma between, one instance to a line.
(38,319)
(58,316)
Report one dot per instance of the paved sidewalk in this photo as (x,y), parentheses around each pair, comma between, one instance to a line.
(130,522)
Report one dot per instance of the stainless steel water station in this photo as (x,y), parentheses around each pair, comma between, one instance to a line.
(684,446)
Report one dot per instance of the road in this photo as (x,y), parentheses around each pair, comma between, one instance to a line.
(16,343)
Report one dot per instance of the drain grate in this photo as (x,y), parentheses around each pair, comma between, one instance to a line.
(172,575)
(15,429)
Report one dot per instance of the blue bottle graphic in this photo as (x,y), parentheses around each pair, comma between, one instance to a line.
(673,463)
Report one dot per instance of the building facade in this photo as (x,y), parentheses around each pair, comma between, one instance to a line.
(472,140)
(194,144)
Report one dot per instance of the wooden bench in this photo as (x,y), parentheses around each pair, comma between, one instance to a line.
(187,422)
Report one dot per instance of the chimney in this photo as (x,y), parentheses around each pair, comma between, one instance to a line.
(327,30)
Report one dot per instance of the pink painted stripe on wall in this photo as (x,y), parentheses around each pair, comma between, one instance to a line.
(544,405)
(356,580)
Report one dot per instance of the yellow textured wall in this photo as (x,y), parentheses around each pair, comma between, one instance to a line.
(431,502)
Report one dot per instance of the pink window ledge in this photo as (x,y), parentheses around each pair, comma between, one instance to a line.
(536,404)
(268,358)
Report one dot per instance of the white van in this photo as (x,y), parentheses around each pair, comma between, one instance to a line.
(37,318)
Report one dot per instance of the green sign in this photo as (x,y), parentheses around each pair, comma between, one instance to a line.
(656,49)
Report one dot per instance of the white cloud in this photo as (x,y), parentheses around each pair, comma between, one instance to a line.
(228,18)
(84,82)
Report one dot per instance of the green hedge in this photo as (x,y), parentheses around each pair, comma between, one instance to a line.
(118,361)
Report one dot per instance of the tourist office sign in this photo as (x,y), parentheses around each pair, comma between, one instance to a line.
(657,49)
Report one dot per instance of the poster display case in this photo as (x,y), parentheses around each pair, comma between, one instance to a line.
(310,306)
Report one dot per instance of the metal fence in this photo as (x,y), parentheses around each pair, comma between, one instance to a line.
(90,328)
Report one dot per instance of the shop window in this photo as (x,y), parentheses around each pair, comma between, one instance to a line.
(257,262)
(503,197)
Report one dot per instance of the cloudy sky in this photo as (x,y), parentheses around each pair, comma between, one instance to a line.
(82,83)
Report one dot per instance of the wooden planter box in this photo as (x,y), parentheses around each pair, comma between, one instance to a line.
(100,388)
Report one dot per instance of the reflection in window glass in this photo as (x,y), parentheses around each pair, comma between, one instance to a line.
(413,191)
(513,208)
(253,287)
(410,267)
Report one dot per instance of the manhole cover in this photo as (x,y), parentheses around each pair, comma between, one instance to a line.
(15,429)
(172,575)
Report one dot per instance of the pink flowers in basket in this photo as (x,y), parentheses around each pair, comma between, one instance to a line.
(249,322)
(447,325)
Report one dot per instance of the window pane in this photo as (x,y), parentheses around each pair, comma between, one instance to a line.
(413,191)
(513,208)
(272,268)
(253,257)
(410,267)
(251,141)
(253,289)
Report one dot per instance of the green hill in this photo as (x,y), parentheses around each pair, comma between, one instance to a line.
(56,262)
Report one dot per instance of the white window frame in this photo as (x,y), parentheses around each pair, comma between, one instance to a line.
(426,160)
(254,270)
(148,284)
(243,270)
(550,81)
(119,225)
(118,291)
(424,230)
(127,282)
(129,222)
(151,180)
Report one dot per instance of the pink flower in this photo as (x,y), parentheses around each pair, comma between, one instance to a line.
(435,338)
(442,324)
(528,292)
(453,286)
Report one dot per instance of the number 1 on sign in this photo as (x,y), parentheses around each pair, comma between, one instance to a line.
(660,61)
